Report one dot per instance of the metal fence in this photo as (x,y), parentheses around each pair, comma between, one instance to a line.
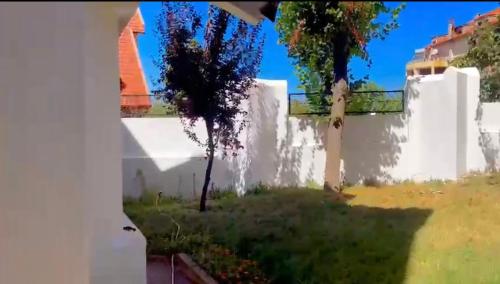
(154,105)
(358,102)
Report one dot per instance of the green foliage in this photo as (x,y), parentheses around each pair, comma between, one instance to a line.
(162,109)
(313,184)
(311,31)
(164,244)
(314,88)
(300,107)
(176,236)
(374,101)
(227,267)
(208,79)
(369,86)
(296,236)
(258,189)
(484,53)
(392,234)
(222,193)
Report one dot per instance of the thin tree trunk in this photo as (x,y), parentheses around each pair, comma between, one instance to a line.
(335,126)
(208,172)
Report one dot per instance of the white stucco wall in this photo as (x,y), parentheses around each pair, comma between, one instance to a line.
(439,136)
(61,214)
(453,48)
(118,256)
(159,156)
(487,143)
(432,107)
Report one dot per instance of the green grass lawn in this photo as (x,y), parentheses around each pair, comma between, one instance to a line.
(408,233)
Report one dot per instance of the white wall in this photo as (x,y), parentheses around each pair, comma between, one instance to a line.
(454,48)
(61,213)
(159,156)
(157,147)
(438,136)
(435,132)
(488,137)
(118,256)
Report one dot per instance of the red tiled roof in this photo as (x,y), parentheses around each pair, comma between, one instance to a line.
(133,86)
(136,23)
(495,12)
(466,29)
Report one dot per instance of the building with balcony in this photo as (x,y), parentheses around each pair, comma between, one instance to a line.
(435,57)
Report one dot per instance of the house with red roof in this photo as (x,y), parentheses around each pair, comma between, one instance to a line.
(434,58)
(134,92)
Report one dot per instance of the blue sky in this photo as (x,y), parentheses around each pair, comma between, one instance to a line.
(418,23)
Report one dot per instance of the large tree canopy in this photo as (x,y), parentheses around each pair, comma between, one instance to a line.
(321,38)
(318,32)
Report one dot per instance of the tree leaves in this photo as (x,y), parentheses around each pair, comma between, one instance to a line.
(208,78)
(484,53)
(308,29)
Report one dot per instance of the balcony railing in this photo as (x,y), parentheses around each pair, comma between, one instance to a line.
(440,58)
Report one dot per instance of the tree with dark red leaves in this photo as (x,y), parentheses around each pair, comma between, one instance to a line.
(207,74)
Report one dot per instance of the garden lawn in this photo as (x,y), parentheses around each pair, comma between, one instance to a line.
(408,233)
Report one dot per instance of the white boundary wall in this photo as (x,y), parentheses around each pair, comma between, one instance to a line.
(443,133)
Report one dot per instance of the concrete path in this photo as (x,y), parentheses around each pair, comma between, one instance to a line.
(159,271)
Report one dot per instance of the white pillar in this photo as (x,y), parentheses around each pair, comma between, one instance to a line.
(60,166)
(468,91)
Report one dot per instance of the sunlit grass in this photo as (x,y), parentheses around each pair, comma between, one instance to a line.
(408,233)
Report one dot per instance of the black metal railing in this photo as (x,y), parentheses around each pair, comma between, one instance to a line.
(358,103)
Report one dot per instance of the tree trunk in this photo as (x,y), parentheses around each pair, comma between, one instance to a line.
(208,172)
(333,147)
(334,136)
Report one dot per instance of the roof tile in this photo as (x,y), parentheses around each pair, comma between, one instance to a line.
(133,90)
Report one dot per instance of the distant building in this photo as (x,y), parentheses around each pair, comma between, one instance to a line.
(434,58)
(134,93)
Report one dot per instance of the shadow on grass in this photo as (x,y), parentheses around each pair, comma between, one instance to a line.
(300,236)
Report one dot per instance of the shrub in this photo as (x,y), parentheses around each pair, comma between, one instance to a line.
(218,261)
(222,193)
(226,267)
(159,244)
(372,181)
(260,188)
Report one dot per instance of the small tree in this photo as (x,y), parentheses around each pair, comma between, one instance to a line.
(321,37)
(484,53)
(207,76)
